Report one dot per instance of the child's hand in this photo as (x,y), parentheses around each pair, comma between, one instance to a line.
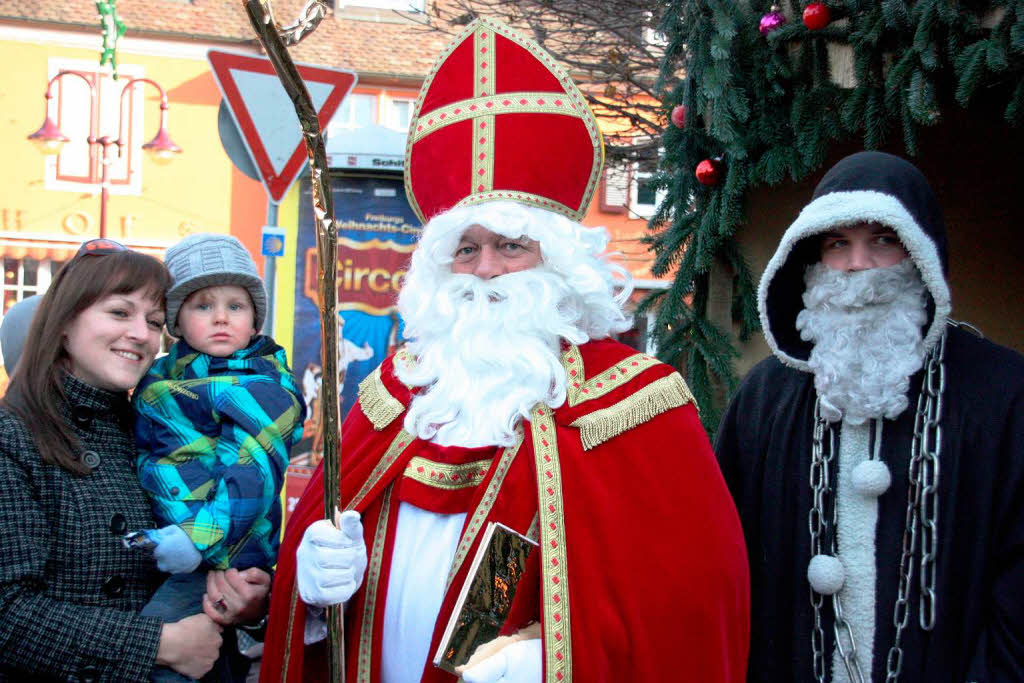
(174,552)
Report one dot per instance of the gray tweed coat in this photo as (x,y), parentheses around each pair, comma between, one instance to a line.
(69,591)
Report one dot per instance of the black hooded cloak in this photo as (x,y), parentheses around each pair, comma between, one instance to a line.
(764,449)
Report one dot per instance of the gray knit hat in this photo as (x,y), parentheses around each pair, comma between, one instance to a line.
(200,261)
(14,329)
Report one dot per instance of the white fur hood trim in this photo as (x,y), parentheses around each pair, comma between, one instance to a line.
(843,208)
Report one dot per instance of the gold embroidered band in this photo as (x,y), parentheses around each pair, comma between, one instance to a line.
(377,403)
(483,154)
(654,399)
(582,389)
(396,448)
(370,586)
(516,196)
(288,636)
(445,476)
(554,569)
(513,102)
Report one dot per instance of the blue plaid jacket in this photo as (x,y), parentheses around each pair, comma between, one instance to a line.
(214,436)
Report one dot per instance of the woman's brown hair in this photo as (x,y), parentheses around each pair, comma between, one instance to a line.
(36,390)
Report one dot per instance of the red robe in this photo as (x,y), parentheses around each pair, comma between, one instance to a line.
(643,571)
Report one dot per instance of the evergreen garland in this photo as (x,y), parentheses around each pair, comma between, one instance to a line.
(768,107)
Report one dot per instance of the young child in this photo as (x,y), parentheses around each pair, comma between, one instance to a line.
(214,420)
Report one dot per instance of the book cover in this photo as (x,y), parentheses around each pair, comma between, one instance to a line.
(486,597)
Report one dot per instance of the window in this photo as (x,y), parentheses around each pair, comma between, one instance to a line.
(643,199)
(400,113)
(627,187)
(639,336)
(81,114)
(615,188)
(357,111)
(652,37)
(24,277)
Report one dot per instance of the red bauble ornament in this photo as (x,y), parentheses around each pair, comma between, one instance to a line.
(709,171)
(679,116)
(817,16)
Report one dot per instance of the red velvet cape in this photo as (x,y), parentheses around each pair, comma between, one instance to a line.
(642,531)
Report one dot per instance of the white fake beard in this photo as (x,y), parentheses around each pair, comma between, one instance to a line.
(487,352)
(866,329)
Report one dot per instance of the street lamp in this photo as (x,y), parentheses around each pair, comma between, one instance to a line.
(50,139)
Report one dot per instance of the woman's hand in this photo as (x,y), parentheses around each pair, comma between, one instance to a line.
(234,597)
(190,646)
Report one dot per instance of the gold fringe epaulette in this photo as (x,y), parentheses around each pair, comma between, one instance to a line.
(654,399)
(379,406)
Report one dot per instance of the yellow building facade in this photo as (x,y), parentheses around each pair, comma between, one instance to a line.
(50,204)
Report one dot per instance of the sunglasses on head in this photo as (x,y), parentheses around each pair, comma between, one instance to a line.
(100,247)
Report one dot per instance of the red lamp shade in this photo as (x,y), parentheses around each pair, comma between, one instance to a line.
(497,118)
(48,138)
(161,148)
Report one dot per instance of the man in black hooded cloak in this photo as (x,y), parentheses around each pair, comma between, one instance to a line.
(877,458)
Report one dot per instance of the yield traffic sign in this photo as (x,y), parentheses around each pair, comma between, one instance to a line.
(266,117)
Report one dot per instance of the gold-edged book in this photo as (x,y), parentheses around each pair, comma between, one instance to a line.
(485,600)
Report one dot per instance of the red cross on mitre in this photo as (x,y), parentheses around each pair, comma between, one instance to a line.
(498,119)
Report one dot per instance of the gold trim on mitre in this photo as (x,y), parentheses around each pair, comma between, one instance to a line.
(377,403)
(655,398)
(484,105)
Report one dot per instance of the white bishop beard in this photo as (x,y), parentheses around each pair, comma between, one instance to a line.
(866,328)
(487,352)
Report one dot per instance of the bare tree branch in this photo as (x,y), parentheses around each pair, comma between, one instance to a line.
(610,47)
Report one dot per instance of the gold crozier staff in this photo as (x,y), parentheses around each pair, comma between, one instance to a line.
(275,41)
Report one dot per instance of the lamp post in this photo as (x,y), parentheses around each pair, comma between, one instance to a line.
(51,140)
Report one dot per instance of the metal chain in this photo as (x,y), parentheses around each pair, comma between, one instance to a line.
(840,626)
(820,486)
(823,539)
(894,660)
(309,18)
(931,445)
(922,504)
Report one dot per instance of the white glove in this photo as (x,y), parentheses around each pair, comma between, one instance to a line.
(175,552)
(330,562)
(520,662)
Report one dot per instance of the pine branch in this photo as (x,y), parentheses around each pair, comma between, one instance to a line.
(769,108)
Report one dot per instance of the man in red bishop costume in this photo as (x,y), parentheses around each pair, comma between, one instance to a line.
(512,403)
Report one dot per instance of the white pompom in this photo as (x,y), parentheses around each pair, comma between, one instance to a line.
(826,574)
(871,478)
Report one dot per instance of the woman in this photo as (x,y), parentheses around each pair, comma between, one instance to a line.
(69,590)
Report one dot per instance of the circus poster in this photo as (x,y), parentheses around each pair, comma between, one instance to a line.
(377,231)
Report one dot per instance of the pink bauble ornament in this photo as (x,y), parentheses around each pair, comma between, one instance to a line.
(771,21)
